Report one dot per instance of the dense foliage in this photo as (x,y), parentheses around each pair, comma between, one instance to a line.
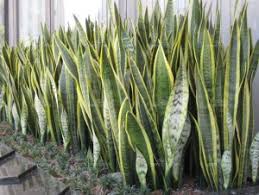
(140,96)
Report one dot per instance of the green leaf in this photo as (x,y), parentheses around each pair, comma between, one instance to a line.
(207,63)
(141,87)
(151,128)
(179,154)
(139,139)
(162,82)
(231,87)
(245,45)
(42,118)
(141,168)
(128,44)
(111,91)
(208,128)
(226,166)
(254,157)
(124,150)
(169,21)
(196,16)
(69,59)
(24,116)
(82,34)
(65,129)
(254,62)
(96,149)
(15,117)
(175,116)
(245,133)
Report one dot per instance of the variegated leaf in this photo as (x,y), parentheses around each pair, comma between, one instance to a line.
(96,149)
(65,129)
(24,117)
(163,83)
(226,166)
(42,118)
(231,87)
(179,154)
(141,168)
(254,157)
(15,117)
(169,18)
(175,116)
(139,139)
(125,152)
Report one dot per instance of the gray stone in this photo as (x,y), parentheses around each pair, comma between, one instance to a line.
(19,176)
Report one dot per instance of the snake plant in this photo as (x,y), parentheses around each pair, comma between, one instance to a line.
(140,96)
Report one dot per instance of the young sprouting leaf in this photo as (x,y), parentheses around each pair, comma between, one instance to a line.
(254,157)
(226,166)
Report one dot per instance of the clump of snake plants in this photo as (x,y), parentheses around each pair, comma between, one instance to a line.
(140,95)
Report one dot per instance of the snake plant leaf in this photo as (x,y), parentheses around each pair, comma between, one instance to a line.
(202,154)
(175,116)
(245,44)
(96,149)
(231,87)
(42,118)
(55,51)
(141,87)
(141,25)
(156,23)
(109,136)
(244,122)
(24,116)
(85,80)
(83,128)
(65,129)
(151,128)
(226,166)
(69,59)
(128,44)
(98,126)
(163,83)
(82,34)
(216,36)
(117,17)
(139,139)
(15,117)
(196,16)
(179,155)
(125,152)
(141,168)
(208,127)
(219,88)
(254,157)
(147,23)
(255,62)
(169,21)
(140,56)
(111,91)
(68,97)
(207,65)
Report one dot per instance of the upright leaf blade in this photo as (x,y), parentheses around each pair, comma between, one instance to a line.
(175,116)
(163,83)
